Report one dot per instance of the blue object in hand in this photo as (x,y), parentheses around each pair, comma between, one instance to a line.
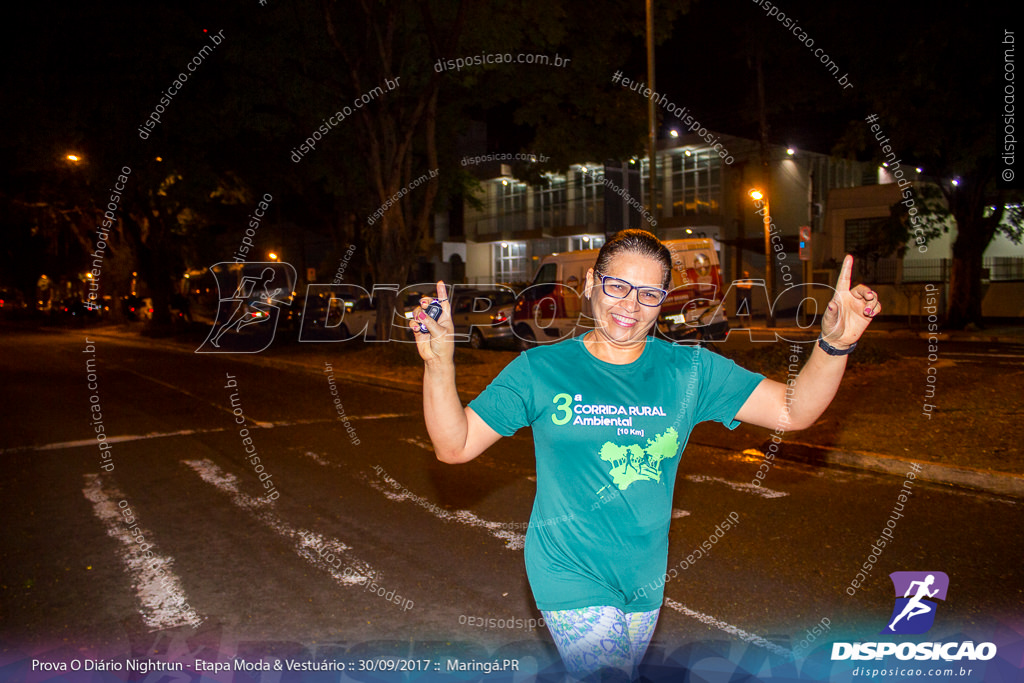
(434,311)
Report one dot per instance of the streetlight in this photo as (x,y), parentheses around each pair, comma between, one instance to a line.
(273,256)
(757,196)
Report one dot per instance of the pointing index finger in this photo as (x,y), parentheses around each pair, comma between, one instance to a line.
(843,283)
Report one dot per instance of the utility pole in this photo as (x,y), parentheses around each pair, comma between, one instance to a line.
(766,183)
(652,116)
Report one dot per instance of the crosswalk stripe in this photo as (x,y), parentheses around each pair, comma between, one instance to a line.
(709,620)
(761,491)
(159,591)
(311,546)
(500,530)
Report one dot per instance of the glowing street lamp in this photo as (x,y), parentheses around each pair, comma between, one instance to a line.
(272,256)
(757,196)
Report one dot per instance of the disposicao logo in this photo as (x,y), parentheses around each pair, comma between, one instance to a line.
(250,296)
(914,613)
(916,592)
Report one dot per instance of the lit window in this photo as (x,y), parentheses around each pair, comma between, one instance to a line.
(510,261)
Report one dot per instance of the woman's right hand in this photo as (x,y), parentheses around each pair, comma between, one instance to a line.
(437,344)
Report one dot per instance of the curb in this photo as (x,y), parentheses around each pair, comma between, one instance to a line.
(996,483)
(901,332)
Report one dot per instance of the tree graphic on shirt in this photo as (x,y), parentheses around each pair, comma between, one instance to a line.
(632,462)
(614,454)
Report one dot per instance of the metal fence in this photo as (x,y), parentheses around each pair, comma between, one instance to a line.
(893,270)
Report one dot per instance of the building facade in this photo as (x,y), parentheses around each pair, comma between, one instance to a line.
(701,193)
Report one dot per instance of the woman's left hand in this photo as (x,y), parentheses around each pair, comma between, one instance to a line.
(850,311)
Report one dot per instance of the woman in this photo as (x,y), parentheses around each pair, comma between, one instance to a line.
(611,412)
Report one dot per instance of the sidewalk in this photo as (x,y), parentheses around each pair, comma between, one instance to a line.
(997,334)
(848,436)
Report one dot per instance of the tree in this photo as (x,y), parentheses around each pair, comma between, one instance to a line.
(940,106)
(92,102)
(284,73)
(411,43)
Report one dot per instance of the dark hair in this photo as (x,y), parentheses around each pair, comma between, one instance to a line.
(636,241)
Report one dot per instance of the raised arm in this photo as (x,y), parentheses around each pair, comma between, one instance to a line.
(458,433)
(848,315)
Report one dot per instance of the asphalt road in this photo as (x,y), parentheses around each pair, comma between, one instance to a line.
(231,570)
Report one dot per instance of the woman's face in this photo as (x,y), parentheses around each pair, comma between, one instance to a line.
(625,321)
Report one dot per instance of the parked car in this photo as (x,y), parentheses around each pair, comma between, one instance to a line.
(75,309)
(11,299)
(318,317)
(553,308)
(405,308)
(133,307)
(362,316)
(484,315)
(693,308)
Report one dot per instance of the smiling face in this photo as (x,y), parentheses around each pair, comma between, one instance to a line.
(625,322)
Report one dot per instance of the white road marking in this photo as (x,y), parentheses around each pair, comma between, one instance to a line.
(736,486)
(159,591)
(185,432)
(315,457)
(195,397)
(486,462)
(709,620)
(421,443)
(500,530)
(383,416)
(110,439)
(309,545)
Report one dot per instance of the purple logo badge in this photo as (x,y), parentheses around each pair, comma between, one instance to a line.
(916,593)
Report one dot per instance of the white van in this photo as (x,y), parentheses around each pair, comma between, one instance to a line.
(553,308)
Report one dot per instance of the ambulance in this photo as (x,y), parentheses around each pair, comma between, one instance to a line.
(553,308)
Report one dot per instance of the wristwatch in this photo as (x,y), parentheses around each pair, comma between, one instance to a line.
(833,351)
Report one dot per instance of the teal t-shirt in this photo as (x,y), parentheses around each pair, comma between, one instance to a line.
(608,439)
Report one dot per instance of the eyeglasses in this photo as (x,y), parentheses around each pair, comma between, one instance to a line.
(618,288)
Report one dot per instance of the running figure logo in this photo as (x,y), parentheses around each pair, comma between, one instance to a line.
(914,612)
(252,311)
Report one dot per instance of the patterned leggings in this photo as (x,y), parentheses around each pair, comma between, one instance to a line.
(596,638)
